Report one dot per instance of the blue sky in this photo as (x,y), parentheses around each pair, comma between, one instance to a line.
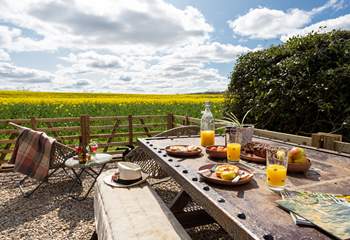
(154,46)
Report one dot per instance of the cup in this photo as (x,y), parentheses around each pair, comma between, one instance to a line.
(207,137)
(93,147)
(78,149)
(233,140)
(276,167)
(247,133)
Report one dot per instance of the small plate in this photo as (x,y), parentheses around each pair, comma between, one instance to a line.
(245,173)
(252,158)
(195,153)
(216,154)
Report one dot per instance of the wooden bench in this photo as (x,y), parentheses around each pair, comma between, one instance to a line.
(133,213)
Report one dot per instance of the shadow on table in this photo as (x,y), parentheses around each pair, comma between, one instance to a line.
(239,189)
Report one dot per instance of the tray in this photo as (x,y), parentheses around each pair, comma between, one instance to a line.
(183,153)
(214,179)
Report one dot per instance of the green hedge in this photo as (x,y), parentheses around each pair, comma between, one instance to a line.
(302,86)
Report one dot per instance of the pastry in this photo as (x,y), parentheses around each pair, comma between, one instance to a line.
(256,148)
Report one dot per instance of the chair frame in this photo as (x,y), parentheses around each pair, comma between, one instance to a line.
(59,154)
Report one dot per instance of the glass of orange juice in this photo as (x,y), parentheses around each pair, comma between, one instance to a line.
(233,140)
(207,137)
(276,167)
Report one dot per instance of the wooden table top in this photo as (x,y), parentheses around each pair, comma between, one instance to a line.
(249,211)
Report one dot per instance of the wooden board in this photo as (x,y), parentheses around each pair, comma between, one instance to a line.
(249,211)
(252,158)
(133,213)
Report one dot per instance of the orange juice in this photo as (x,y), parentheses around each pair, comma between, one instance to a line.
(276,175)
(233,151)
(207,137)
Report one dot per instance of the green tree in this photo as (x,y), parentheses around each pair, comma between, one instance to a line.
(300,86)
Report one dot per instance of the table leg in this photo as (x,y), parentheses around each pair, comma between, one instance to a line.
(94,175)
(77,179)
(179,202)
(192,218)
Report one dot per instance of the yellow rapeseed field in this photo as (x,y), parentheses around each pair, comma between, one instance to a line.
(26,104)
(26,97)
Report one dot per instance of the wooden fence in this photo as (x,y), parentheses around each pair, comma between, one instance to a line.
(112,132)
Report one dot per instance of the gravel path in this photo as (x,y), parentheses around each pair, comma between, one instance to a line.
(51,214)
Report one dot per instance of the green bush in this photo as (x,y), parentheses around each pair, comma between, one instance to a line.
(302,86)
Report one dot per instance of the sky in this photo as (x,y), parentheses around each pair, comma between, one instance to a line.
(153,46)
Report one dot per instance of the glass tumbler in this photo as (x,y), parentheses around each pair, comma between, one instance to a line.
(233,138)
(276,167)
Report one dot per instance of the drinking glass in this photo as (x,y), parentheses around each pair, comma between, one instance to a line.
(233,140)
(207,137)
(93,148)
(78,149)
(276,167)
(247,133)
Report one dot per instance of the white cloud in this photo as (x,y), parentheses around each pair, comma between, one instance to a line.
(12,39)
(342,22)
(180,69)
(144,46)
(106,23)
(265,23)
(15,76)
(4,56)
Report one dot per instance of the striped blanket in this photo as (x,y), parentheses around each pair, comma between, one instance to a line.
(32,153)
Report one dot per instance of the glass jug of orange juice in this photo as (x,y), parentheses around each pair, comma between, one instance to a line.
(207,127)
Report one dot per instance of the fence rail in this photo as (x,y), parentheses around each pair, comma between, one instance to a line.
(114,131)
(109,131)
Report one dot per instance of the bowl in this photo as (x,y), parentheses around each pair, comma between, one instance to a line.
(299,167)
(215,153)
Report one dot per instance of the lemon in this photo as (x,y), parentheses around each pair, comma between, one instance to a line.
(228,175)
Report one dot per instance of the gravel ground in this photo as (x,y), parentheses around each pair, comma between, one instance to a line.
(51,214)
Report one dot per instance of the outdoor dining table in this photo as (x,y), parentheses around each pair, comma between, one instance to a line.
(249,211)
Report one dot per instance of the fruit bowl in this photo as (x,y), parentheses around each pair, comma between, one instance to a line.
(299,167)
(216,151)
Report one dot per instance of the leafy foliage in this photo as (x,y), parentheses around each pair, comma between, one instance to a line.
(300,86)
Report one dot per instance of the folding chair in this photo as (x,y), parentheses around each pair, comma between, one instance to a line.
(59,154)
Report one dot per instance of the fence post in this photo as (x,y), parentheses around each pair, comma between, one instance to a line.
(131,135)
(170,121)
(85,130)
(325,140)
(34,123)
(187,120)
